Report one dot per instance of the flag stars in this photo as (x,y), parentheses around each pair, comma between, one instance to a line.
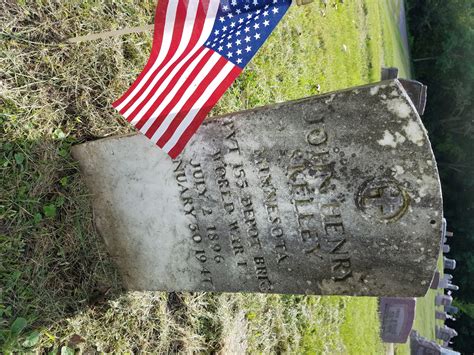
(241,26)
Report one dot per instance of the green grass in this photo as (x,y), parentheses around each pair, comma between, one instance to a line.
(58,287)
(360,329)
(395,52)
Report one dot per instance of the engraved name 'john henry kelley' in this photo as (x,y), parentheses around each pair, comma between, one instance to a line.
(334,194)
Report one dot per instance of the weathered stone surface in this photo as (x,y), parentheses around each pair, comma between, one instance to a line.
(396,318)
(333,194)
(441,315)
(422,346)
(445,333)
(451,309)
(435,281)
(443,300)
(449,263)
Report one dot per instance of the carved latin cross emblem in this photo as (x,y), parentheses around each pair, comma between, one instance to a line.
(383,199)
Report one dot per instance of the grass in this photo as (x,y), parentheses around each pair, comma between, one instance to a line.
(393,46)
(58,287)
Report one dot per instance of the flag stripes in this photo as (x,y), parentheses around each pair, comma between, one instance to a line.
(177,62)
(184,78)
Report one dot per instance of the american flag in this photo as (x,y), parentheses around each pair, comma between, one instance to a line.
(199,48)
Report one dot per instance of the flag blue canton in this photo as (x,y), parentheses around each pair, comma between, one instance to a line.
(242,26)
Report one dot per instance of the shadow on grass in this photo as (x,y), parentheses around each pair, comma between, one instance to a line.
(53,263)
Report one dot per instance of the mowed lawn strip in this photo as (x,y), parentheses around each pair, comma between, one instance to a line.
(60,290)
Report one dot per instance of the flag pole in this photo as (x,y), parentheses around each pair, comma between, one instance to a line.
(138,29)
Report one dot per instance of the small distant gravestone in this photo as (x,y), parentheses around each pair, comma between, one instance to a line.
(446,248)
(435,281)
(445,283)
(441,315)
(397,316)
(450,286)
(389,73)
(422,346)
(443,300)
(449,263)
(451,309)
(443,231)
(332,194)
(445,333)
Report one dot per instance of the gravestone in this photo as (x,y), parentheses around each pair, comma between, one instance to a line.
(443,300)
(445,333)
(449,263)
(450,286)
(441,315)
(445,283)
(422,346)
(435,281)
(396,318)
(446,248)
(332,194)
(451,309)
